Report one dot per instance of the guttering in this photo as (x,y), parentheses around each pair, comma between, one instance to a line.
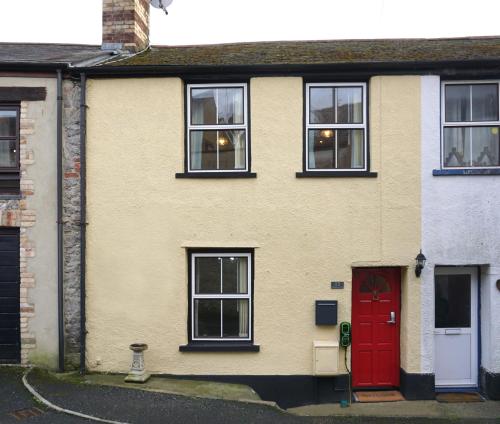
(83,217)
(445,68)
(60,292)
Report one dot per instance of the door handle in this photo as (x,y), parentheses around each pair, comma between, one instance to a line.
(392,319)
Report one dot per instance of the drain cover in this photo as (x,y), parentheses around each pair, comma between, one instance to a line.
(22,414)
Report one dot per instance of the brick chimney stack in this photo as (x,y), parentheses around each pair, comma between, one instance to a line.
(125,25)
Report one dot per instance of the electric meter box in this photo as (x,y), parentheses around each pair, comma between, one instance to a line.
(325,358)
(326,312)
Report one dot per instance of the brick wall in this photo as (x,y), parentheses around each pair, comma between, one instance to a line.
(126,22)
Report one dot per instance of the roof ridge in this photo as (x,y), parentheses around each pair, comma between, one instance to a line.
(368,40)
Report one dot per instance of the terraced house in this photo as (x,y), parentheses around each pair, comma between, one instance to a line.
(243,200)
(39,202)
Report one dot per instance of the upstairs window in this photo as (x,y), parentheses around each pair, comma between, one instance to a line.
(470,125)
(336,127)
(217,128)
(9,149)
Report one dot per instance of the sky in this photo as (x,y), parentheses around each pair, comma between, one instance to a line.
(222,21)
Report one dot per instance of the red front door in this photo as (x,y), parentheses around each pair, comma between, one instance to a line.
(375,327)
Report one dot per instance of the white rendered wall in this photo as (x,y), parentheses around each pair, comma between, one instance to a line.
(460,226)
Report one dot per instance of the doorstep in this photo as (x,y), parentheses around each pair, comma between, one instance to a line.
(375,396)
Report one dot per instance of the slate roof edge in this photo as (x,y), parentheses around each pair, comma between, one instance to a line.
(30,65)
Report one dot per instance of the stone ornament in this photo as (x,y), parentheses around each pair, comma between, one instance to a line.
(137,372)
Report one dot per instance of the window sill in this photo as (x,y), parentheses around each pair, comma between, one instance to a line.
(220,347)
(9,196)
(449,172)
(216,175)
(336,174)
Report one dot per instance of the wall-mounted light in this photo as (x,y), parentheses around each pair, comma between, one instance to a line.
(420,263)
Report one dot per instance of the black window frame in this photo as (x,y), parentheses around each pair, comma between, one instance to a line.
(223,345)
(336,172)
(10,176)
(237,173)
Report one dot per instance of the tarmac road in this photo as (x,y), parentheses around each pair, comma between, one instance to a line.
(140,407)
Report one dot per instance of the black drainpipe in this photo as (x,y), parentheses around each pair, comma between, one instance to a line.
(60,293)
(83,217)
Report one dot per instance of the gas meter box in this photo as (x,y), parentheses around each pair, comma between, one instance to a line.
(325,358)
(326,312)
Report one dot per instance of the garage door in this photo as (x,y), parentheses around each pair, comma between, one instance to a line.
(10,341)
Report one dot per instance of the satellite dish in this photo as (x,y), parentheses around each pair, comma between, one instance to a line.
(161,4)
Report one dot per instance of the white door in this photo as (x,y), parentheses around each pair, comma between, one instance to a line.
(455,327)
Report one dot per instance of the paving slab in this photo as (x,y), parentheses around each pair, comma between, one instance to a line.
(427,408)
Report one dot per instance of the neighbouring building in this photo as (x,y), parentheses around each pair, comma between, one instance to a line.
(39,105)
(460,231)
(244,199)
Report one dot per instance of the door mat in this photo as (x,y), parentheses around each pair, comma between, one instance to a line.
(378,396)
(459,397)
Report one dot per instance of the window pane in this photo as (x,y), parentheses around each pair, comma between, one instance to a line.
(452,301)
(457,147)
(349,105)
(350,149)
(321,145)
(203,106)
(484,102)
(207,318)
(235,317)
(203,150)
(232,149)
(207,275)
(230,102)
(457,103)
(485,146)
(321,105)
(234,275)
(8,123)
(229,147)
(8,155)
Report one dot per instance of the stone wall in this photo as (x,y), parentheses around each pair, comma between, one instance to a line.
(71,219)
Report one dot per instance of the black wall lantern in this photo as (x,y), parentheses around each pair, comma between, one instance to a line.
(420,263)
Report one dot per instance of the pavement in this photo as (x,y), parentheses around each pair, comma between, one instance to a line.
(196,402)
(424,409)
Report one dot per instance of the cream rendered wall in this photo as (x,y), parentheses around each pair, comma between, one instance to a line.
(306,232)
